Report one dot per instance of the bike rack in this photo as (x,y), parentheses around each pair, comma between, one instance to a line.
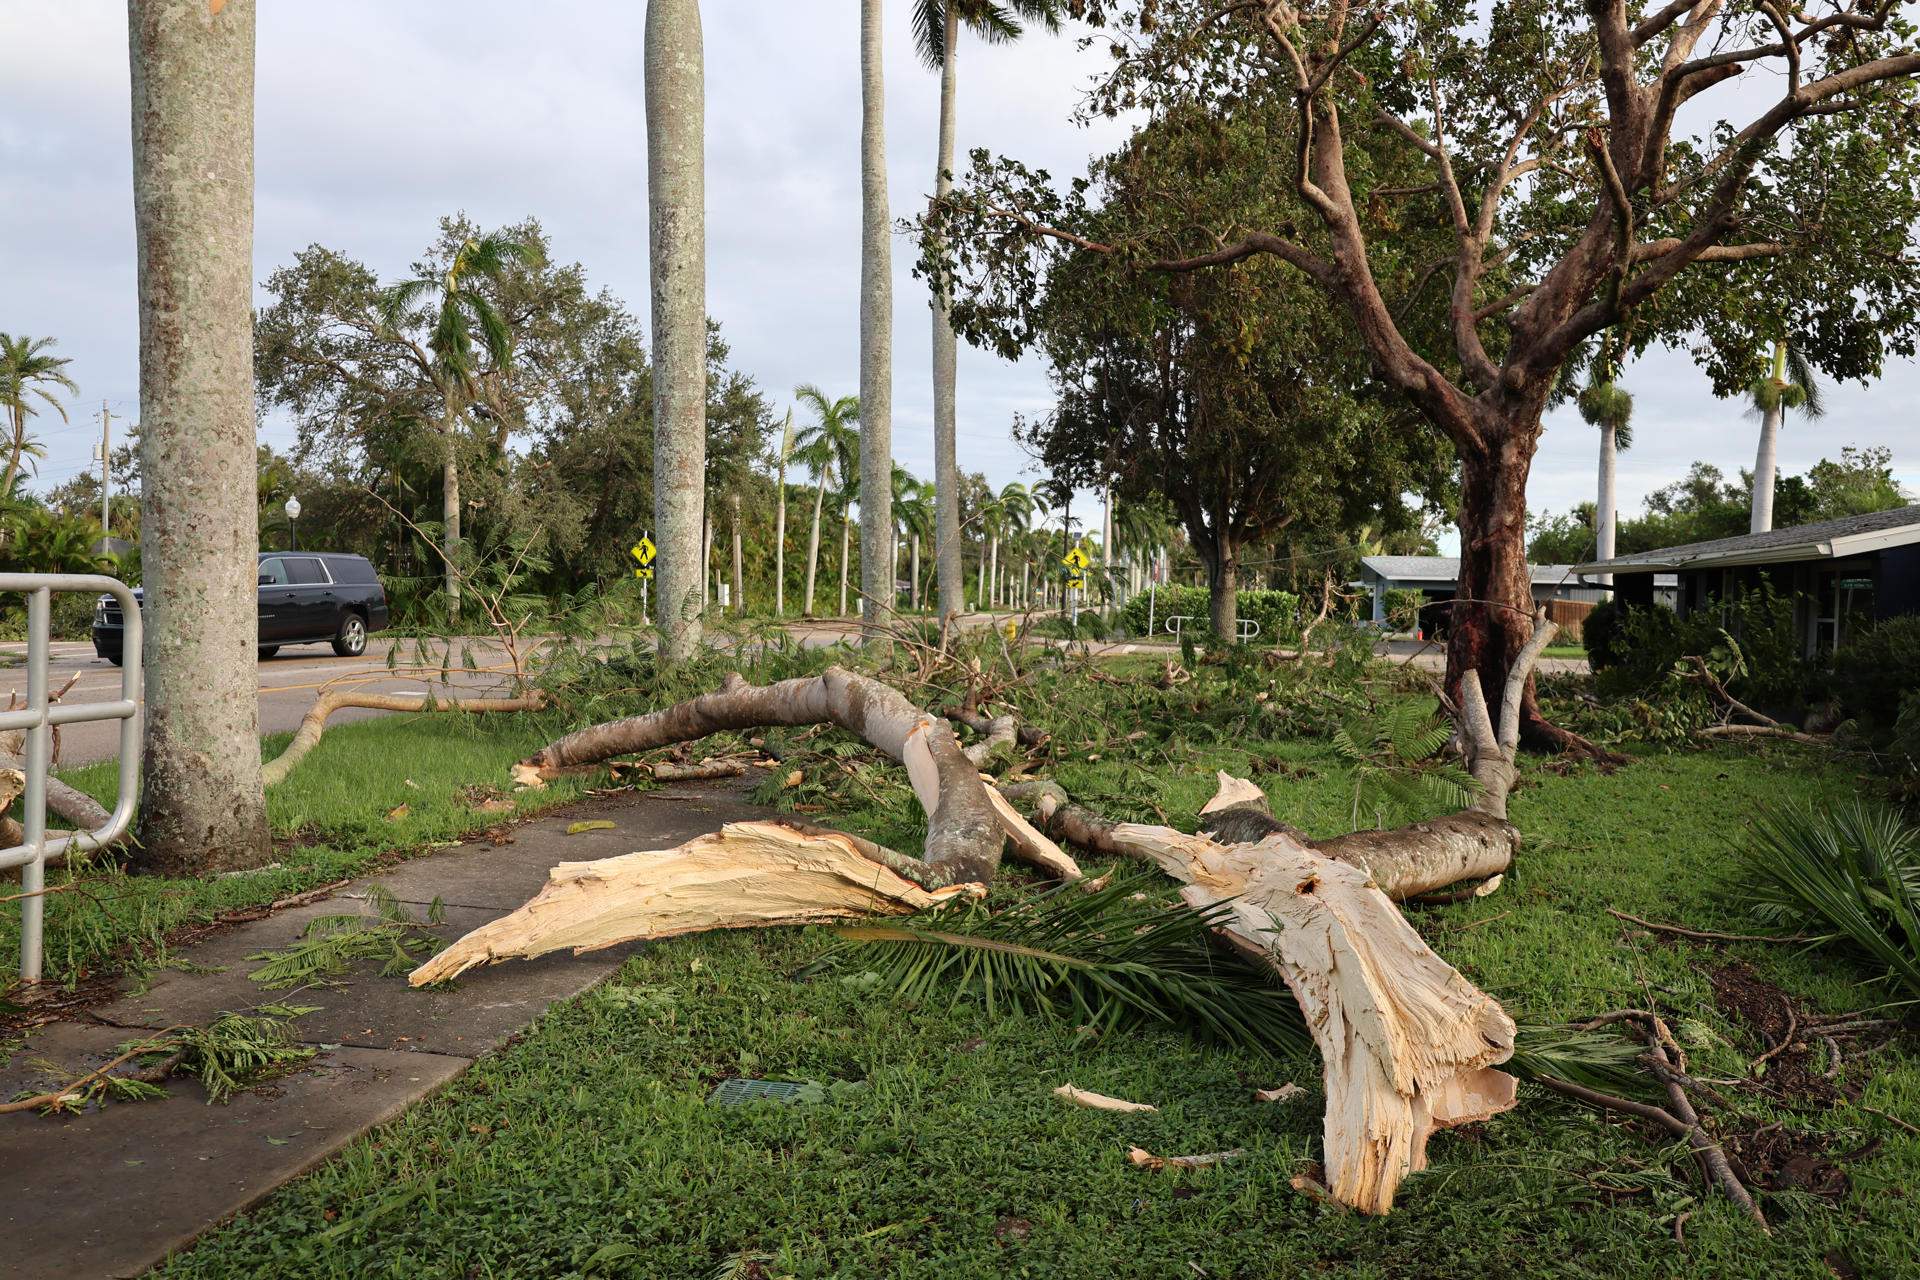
(38,719)
(1245,628)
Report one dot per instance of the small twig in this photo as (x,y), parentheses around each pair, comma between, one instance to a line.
(1786,1042)
(1706,935)
(1463,928)
(149,1075)
(1875,1111)
(1833,1058)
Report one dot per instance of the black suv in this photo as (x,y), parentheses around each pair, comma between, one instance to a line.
(305,597)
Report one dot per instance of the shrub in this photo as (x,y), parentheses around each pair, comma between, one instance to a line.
(1876,670)
(1600,632)
(1277,612)
(1635,648)
(1403,607)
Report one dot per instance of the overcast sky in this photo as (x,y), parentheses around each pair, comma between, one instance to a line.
(375,118)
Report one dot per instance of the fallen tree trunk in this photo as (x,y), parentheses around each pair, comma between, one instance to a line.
(965,828)
(314,723)
(1409,1045)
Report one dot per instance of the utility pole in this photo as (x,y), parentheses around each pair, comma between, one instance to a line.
(106,472)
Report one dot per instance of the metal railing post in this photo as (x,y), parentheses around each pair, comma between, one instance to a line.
(37,720)
(33,874)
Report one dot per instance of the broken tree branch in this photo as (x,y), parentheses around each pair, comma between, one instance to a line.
(314,723)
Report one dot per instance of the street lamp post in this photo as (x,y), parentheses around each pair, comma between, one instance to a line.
(293,520)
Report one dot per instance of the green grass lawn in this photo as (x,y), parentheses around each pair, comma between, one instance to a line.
(336,815)
(588,1148)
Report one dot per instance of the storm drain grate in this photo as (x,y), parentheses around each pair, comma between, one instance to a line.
(738,1090)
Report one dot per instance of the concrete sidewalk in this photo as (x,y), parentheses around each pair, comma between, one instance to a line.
(113,1192)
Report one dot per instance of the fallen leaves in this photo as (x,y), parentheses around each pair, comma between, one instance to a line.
(591,824)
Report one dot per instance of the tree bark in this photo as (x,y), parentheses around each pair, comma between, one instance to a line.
(780,523)
(1606,510)
(876,331)
(739,576)
(450,510)
(948,568)
(846,524)
(813,538)
(676,199)
(203,809)
(913,572)
(1493,610)
(1223,601)
(1765,461)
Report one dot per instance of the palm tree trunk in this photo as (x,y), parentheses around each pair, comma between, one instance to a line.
(946,460)
(1605,517)
(676,197)
(1765,461)
(202,806)
(846,523)
(813,538)
(16,447)
(450,504)
(993,570)
(980,577)
(913,573)
(780,524)
(739,578)
(876,329)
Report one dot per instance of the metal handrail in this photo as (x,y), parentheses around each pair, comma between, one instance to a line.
(38,719)
(1245,628)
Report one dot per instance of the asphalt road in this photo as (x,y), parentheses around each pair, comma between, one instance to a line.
(289,682)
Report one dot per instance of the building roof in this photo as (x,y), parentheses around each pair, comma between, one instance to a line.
(1827,540)
(1446,569)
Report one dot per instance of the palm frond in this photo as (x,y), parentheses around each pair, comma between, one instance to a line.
(1124,955)
(1850,874)
(929,22)
(1800,369)
(494,333)
(1602,1060)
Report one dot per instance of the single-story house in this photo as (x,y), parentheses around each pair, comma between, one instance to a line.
(1438,579)
(1848,571)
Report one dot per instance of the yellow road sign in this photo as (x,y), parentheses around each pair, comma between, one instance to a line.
(1011,627)
(643,551)
(1077,558)
(644,574)
(1076,584)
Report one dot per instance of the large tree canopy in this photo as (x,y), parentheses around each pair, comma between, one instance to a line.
(1527,175)
(1237,395)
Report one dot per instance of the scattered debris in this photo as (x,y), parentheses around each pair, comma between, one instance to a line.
(1144,1159)
(590,824)
(1099,1101)
(1285,1093)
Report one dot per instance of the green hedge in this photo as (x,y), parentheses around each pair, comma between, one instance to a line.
(1277,612)
(1876,671)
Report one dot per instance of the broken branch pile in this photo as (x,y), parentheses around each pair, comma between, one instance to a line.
(1408,1044)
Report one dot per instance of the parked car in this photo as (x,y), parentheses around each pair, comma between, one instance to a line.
(306,597)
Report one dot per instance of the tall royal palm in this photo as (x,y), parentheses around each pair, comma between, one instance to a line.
(28,372)
(1607,405)
(677,257)
(831,442)
(454,297)
(202,805)
(1791,385)
(876,329)
(936,35)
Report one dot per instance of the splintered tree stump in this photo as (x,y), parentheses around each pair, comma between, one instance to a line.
(1408,1044)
